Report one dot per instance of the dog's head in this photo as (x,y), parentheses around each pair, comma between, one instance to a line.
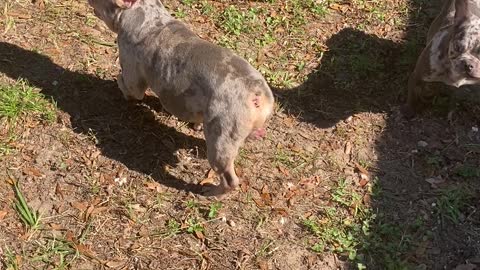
(107,10)
(464,47)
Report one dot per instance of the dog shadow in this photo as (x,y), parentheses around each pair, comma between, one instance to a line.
(359,73)
(127,133)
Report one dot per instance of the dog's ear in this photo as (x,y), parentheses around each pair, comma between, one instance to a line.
(125,3)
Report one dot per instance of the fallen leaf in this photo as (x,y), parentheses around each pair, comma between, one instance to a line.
(239,172)
(32,172)
(281,211)
(56,227)
(115,264)
(80,205)
(259,203)
(296,148)
(19,15)
(290,202)
(290,194)
(95,155)
(367,199)
(69,236)
(96,201)
(99,210)
(267,198)
(338,7)
(360,168)
(348,148)
(18,260)
(363,182)
(211,174)
(199,235)
(207,181)
(58,191)
(466,267)
(434,181)
(3,214)
(244,185)
(10,181)
(289,122)
(263,265)
(85,250)
(40,3)
(153,186)
(283,170)
(137,207)
(265,189)
(88,213)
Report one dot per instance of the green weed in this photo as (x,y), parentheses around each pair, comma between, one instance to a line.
(29,217)
(20,98)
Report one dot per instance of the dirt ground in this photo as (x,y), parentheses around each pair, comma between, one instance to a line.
(340,182)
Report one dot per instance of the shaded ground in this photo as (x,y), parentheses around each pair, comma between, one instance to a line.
(340,182)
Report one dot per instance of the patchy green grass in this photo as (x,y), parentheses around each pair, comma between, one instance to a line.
(61,253)
(452,202)
(20,99)
(353,230)
(342,226)
(11,261)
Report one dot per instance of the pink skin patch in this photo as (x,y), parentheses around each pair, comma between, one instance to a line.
(256,102)
(257,134)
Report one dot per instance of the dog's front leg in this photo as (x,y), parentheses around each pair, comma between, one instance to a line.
(415,89)
(130,80)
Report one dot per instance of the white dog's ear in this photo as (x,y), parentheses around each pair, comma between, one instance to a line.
(125,3)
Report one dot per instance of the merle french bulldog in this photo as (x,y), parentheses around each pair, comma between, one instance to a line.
(195,80)
(451,55)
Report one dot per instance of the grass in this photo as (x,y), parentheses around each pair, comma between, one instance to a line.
(214,208)
(451,204)
(11,261)
(354,231)
(29,217)
(341,227)
(20,99)
(60,253)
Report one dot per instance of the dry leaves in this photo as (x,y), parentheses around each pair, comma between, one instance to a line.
(2,214)
(210,178)
(435,181)
(31,171)
(364,174)
(115,264)
(88,210)
(152,185)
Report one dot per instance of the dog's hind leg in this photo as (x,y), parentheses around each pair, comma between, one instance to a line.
(223,140)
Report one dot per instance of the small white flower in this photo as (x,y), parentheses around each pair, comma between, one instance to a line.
(120,181)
